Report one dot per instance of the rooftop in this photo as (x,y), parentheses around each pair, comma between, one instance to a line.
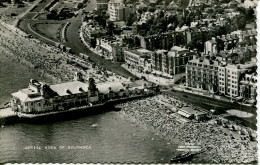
(140,52)
(205,61)
(191,111)
(69,88)
(104,88)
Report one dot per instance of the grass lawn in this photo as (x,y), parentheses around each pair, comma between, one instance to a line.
(51,31)
(29,15)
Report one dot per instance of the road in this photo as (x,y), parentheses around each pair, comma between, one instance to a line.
(77,46)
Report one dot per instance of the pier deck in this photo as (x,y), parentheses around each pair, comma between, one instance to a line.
(7,112)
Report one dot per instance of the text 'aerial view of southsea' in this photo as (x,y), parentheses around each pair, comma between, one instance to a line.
(128,81)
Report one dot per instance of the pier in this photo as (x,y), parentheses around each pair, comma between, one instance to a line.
(7,115)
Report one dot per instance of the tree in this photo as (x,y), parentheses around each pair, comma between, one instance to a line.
(110,28)
(137,41)
(131,19)
(151,9)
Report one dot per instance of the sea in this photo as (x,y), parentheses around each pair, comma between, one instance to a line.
(101,138)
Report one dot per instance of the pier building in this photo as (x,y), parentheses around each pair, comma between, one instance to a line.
(40,97)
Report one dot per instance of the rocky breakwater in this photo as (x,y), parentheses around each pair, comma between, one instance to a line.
(220,147)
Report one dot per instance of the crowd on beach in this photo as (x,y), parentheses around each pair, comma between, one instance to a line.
(35,56)
(47,59)
(220,147)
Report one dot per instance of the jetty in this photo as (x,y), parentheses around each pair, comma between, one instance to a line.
(7,115)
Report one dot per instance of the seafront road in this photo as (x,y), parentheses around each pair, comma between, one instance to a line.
(77,46)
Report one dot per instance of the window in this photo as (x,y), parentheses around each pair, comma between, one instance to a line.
(26,104)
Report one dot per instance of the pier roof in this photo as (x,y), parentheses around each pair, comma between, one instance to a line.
(24,97)
(69,88)
(115,87)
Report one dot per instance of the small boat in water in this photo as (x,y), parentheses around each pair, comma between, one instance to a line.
(94,125)
(183,157)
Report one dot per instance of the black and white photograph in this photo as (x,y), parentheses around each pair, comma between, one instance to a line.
(128,81)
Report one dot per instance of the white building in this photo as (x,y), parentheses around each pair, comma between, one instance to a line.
(118,11)
(230,76)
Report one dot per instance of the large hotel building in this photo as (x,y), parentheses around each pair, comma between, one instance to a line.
(215,75)
(230,76)
(202,74)
(171,62)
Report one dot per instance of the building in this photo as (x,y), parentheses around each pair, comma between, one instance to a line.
(171,62)
(248,86)
(202,74)
(162,41)
(250,3)
(102,4)
(238,55)
(110,48)
(92,31)
(191,33)
(230,75)
(233,4)
(190,113)
(138,58)
(157,59)
(42,98)
(210,47)
(118,11)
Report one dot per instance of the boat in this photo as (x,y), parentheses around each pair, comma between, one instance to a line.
(94,125)
(183,157)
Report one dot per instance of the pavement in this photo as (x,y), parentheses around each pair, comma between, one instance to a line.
(198,92)
(155,79)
